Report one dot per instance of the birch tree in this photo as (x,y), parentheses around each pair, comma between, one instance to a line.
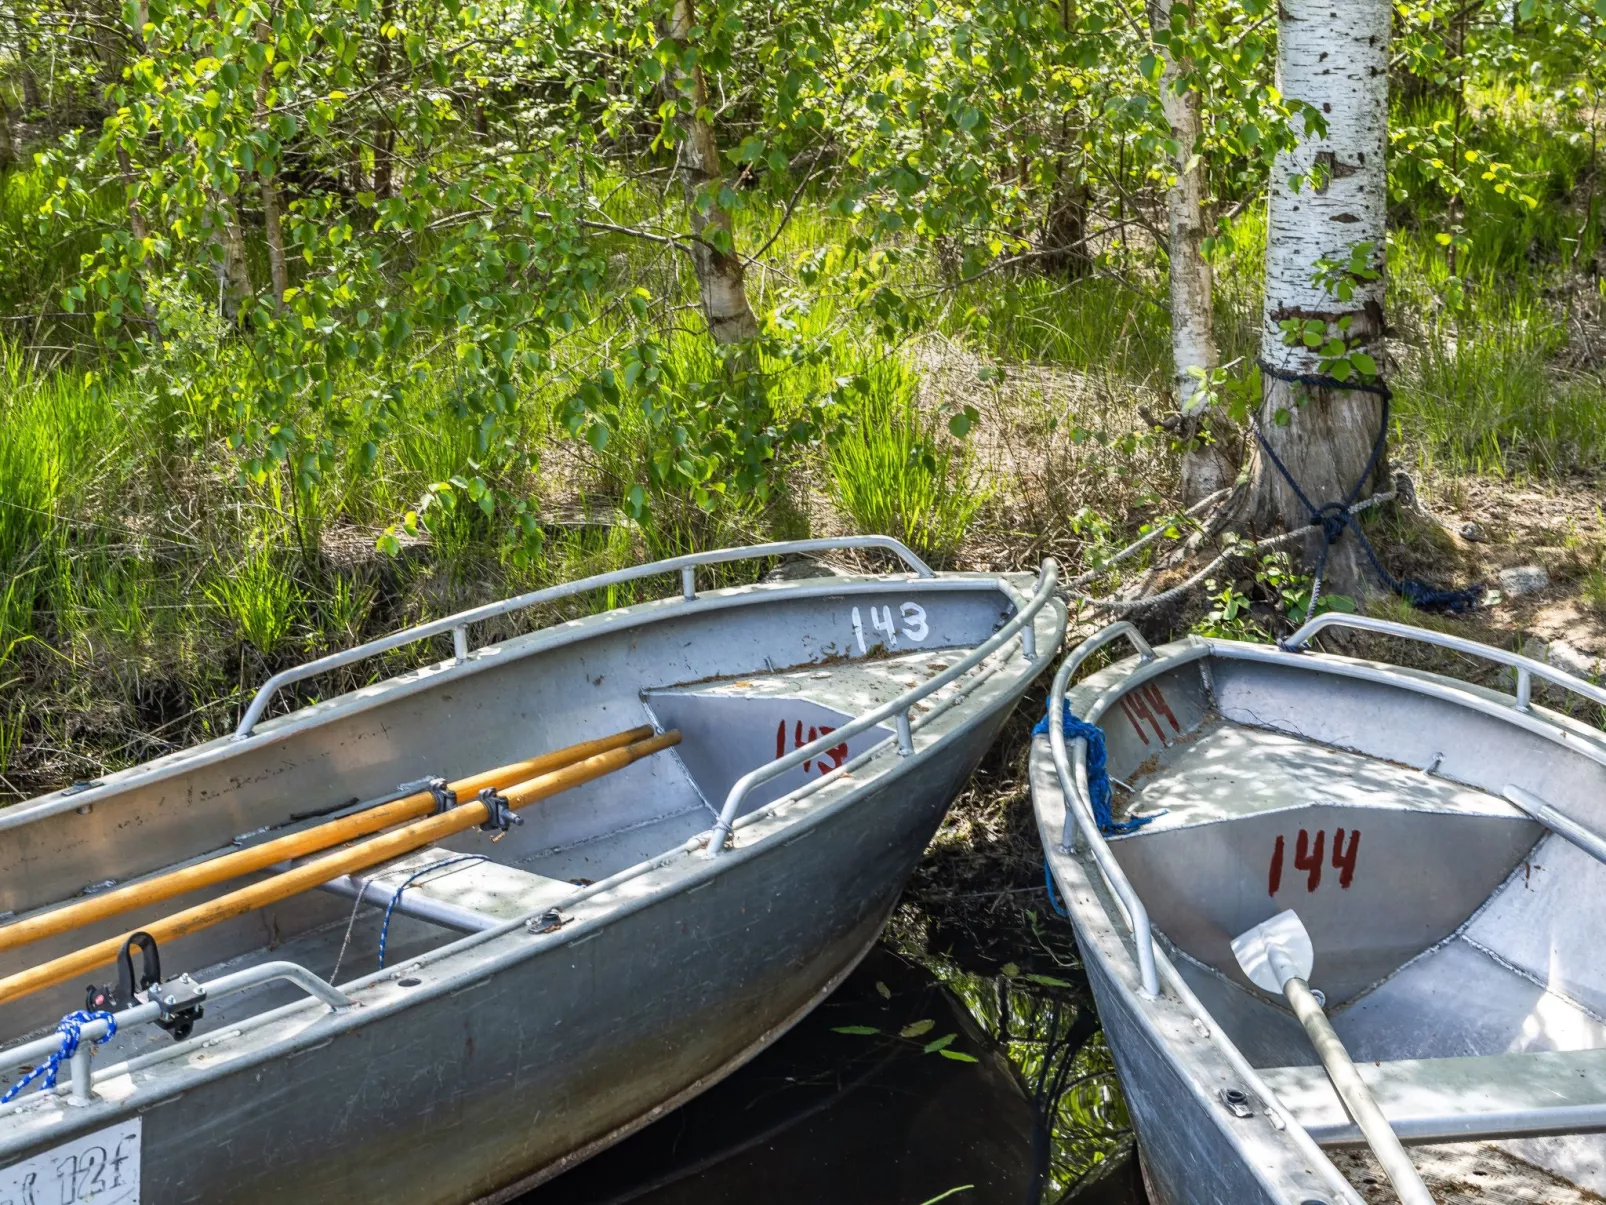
(720,272)
(1205,467)
(1325,241)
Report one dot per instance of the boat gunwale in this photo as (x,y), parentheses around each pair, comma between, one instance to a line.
(489,656)
(691,873)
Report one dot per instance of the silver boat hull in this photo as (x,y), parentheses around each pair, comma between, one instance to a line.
(471,1069)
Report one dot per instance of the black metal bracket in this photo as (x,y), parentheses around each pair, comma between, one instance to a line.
(179,1003)
(445,797)
(499,814)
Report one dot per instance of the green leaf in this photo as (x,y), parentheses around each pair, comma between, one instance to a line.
(1049,981)
(958,1056)
(917,1028)
(883,990)
(1363,362)
(939,1044)
(1010,970)
(856,1030)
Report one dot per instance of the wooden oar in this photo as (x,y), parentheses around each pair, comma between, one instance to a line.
(331,866)
(295,845)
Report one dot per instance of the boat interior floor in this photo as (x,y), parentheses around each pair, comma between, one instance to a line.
(1465,1173)
(1457,941)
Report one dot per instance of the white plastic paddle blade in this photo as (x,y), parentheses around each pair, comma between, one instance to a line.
(1283,935)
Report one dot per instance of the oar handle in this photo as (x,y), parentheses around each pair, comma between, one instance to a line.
(1357,1097)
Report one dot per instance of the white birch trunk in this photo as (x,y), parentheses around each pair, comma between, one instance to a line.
(721,278)
(1335,57)
(228,256)
(1205,468)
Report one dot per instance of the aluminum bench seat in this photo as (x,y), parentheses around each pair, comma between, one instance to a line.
(467,893)
(1459,1099)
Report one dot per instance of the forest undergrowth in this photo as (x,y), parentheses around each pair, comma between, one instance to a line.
(148,586)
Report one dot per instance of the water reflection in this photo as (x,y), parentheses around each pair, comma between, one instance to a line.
(916,1081)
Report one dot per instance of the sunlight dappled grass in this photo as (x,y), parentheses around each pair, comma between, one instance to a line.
(892,472)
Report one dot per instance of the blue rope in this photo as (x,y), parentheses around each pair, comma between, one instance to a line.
(384,929)
(1336,517)
(1098,777)
(71,1029)
(1053,896)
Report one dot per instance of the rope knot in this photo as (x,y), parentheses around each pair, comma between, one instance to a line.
(71,1029)
(1334,518)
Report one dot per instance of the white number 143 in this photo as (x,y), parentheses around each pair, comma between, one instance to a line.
(914,627)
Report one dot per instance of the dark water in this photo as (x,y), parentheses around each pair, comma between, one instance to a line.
(955,1084)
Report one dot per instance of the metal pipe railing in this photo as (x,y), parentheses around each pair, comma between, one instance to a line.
(458,624)
(897,709)
(1527,668)
(94,1031)
(1079,805)
(1563,825)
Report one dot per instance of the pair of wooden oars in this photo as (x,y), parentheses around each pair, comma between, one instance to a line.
(521,784)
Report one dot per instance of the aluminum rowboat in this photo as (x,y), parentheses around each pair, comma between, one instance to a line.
(1440,841)
(633,941)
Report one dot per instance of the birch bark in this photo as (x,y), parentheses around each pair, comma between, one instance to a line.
(228,256)
(1335,57)
(721,278)
(1205,467)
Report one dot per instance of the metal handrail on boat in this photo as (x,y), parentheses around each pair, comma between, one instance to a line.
(897,709)
(141,1014)
(1077,804)
(458,624)
(1527,668)
(1558,822)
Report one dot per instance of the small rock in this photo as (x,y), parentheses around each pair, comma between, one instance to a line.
(1570,660)
(1558,654)
(1471,531)
(1524,579)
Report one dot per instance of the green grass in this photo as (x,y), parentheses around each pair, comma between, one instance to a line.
(893,471)
(1480,390)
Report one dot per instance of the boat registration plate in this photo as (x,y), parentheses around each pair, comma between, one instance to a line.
(98,1169)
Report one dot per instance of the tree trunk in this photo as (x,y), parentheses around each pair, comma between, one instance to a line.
(228,242)
(384,132)
(31,102)
(1205,465)
(1334,57)
(267,180)
(720,274)
(8,144)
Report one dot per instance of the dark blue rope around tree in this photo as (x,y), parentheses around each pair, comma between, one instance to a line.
(1335,517)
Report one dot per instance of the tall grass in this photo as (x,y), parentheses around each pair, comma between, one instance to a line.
(893,471)
(1480,389)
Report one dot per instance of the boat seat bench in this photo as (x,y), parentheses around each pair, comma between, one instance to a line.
(471,894)
(1457,1099)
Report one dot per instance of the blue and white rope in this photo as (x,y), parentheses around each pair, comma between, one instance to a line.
(71,1029)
